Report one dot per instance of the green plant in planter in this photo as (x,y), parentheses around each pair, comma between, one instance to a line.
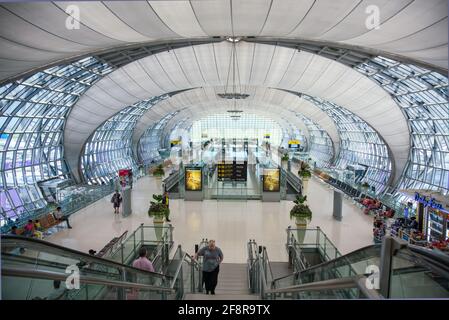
(365,185)
(159,171)
(285,157)
(157,209)
(301,210)
(304,170)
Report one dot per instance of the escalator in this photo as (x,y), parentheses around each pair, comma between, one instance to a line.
(394,269)
(37,270)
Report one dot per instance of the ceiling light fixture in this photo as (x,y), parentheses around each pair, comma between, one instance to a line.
(233,39)
(235,92)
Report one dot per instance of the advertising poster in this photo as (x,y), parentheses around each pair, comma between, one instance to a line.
(193,179)
(271,181)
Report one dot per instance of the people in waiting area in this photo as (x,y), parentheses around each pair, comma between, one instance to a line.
(165,200)
(14,230)
(38,229)
(116,202)
(60,217)
(28,230)
(213,256)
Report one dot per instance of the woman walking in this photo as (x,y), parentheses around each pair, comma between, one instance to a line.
(116,201)
(213,256)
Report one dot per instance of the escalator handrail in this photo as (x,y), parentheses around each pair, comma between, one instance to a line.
(78,254)
(430,255)
(323,264)
(333,284)
(49,275)
(193,261)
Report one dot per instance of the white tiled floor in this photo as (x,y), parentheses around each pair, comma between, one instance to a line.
(231,223)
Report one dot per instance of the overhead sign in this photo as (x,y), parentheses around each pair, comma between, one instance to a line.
(173,142)
(293,142)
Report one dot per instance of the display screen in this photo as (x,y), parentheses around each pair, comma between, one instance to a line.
(193,179)
(232,171)
(271,180)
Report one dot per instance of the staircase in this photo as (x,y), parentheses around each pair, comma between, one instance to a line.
(232,285)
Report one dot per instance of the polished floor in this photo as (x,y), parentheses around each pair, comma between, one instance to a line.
(230,223)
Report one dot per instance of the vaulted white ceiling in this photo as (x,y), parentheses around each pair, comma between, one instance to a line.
(198,103)
(35,34)
(259,67)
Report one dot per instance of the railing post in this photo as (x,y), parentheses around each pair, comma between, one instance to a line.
(288,234)
(192,277)
(318,230)
(141,233)
(122,291)
(389,247)
(121,252)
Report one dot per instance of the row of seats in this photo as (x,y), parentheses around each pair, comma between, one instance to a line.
(46,222)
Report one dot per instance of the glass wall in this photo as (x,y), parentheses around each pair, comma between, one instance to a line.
(32,116)
(423,97)
(229,126)
(110,147)
(151,140)
(320,144)
(359,144)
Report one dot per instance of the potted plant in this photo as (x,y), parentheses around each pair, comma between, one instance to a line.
(158,211)
(301,211)
(302,214)
(159,171)
(304,173)
(365,186)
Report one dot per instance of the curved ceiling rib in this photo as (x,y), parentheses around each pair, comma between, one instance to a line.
(30,32)
(360,144)
(198,66)
(199,102)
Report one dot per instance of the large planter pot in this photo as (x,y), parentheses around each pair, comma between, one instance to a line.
(158,223)
(305,185)
(284,164)
(301,226)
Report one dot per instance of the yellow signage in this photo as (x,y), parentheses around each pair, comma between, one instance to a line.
(271,181)
(175,141)
(293,142)
(193,179)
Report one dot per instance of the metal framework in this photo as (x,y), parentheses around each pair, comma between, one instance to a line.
(151,140)
(110,147)
(33,111)
(423,96)
(321,148)
(359,144)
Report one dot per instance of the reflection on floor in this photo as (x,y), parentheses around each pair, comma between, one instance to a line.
(230,223)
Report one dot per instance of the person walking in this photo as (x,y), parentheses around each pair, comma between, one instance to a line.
(60,217)
(213,256)
(116,201)
(142,263)
(165,200)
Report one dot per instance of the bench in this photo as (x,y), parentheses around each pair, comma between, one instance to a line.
(112,245)
(48,221)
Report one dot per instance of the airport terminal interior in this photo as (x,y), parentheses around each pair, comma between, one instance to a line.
(308,138)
